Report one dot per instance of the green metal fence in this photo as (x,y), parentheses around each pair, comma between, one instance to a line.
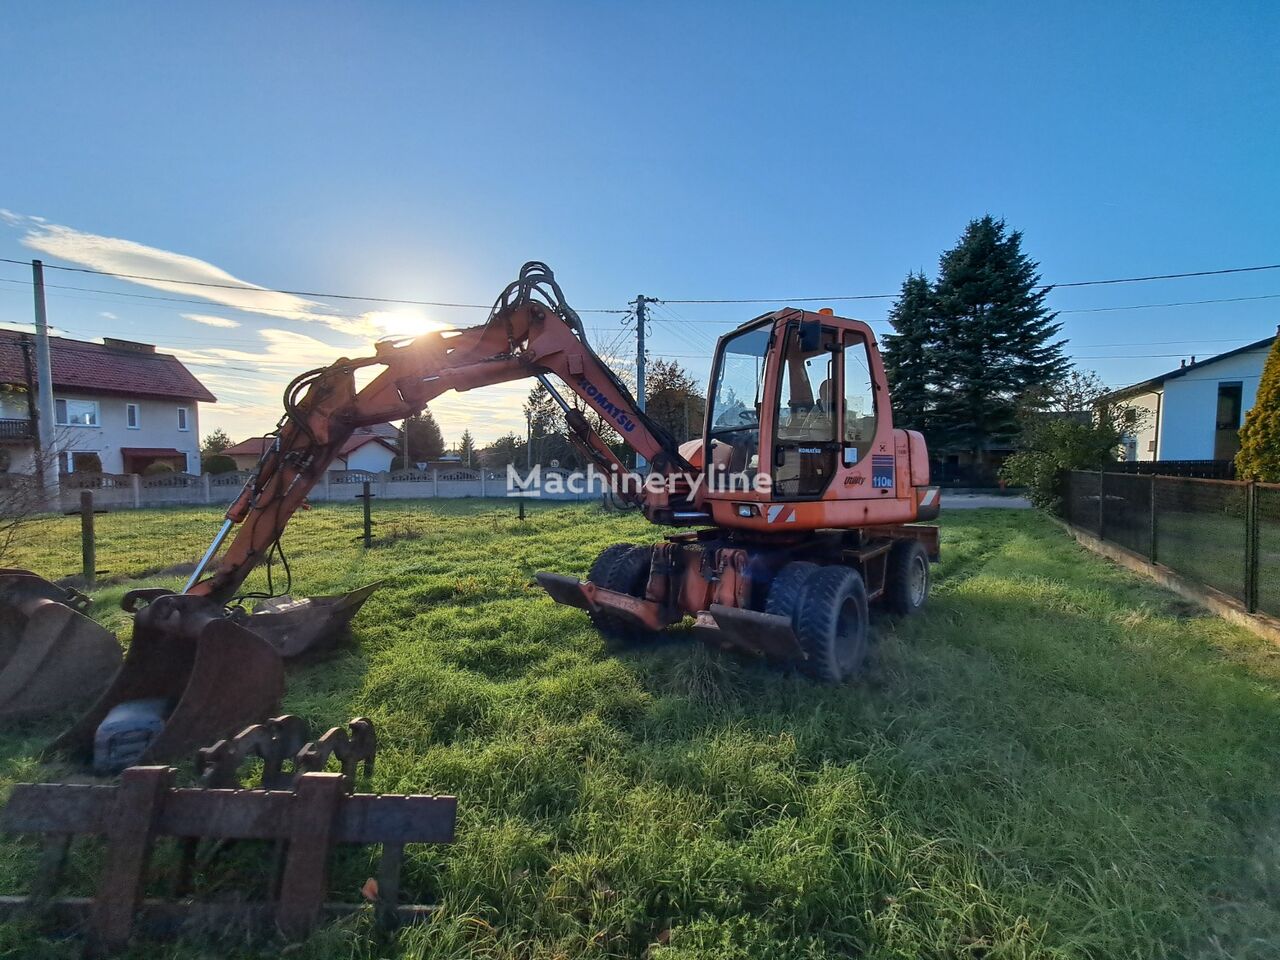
(1223,534)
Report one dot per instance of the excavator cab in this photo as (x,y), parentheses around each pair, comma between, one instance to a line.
(800,434)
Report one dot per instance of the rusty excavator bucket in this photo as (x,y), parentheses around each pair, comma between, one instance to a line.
(310,626)
(204,672)
(52,656)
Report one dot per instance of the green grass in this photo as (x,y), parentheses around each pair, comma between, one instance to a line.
(1055,760)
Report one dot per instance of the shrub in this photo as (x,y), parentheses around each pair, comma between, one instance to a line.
(1259,456)
(217,463)
(1055,443)
(156,468)
(88,463)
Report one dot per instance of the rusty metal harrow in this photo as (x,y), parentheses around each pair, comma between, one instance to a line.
(305,811)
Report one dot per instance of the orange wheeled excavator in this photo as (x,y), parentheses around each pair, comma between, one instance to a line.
(800,505)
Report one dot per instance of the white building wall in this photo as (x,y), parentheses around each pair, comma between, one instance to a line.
(372,456)
(157,427)
(1141,443)
(1189,417)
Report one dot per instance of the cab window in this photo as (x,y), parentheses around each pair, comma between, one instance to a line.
(859,400)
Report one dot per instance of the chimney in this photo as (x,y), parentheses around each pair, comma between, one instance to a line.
(132,346)
(1193,359)
(1184,363)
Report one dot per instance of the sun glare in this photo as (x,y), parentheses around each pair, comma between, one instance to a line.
(405,322)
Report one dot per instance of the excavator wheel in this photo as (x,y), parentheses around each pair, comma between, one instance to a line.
(624,568)
(906,579)
(788,588)
(828,609)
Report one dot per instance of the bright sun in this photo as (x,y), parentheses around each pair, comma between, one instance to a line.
(405,322)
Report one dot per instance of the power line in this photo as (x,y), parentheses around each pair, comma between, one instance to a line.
(1046,286)
(1132,306)
(1176,303)
(252,288)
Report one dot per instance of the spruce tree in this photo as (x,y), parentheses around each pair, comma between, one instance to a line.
(467,447)
(420,439)
(908,361)
(994,339)
(1259,456)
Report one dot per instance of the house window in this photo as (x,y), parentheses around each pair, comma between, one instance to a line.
(182,419)
(76,413)
(1226,436)
(131,416)
(71,462)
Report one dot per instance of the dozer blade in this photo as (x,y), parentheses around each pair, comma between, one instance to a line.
(294,627)
(216,676)
(52,657)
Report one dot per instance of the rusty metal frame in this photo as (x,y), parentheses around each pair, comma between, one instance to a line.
(306,822)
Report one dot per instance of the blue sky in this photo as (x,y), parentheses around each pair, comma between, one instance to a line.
(683,151)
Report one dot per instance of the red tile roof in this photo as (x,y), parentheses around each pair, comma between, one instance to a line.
(109,368)
(255,445)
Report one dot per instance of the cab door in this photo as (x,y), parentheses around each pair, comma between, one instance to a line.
(806,443)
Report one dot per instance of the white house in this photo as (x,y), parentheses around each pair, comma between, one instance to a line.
(368,448)
(1195,412)
(118,404)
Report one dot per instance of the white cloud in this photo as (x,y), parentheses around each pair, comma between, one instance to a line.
(249,384)
(251,381)
(211,321)
(109,315)
(190,274)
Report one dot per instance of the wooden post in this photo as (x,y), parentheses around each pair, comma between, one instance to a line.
(521,502)
(88,560)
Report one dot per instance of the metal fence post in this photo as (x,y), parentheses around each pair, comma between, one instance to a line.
(1101,500)
(1251,546)
(367,496)
(1152,537)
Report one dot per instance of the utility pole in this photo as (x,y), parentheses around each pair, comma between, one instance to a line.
(46,461)
(642,315)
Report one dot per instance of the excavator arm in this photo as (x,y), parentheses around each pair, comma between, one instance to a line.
(197,667)
(531,331)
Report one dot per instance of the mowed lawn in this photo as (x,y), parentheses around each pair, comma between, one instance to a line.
(1055,760)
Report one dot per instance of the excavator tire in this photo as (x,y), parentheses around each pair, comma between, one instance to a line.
(906,584)
(789,587)
(829,613)
(623,568)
